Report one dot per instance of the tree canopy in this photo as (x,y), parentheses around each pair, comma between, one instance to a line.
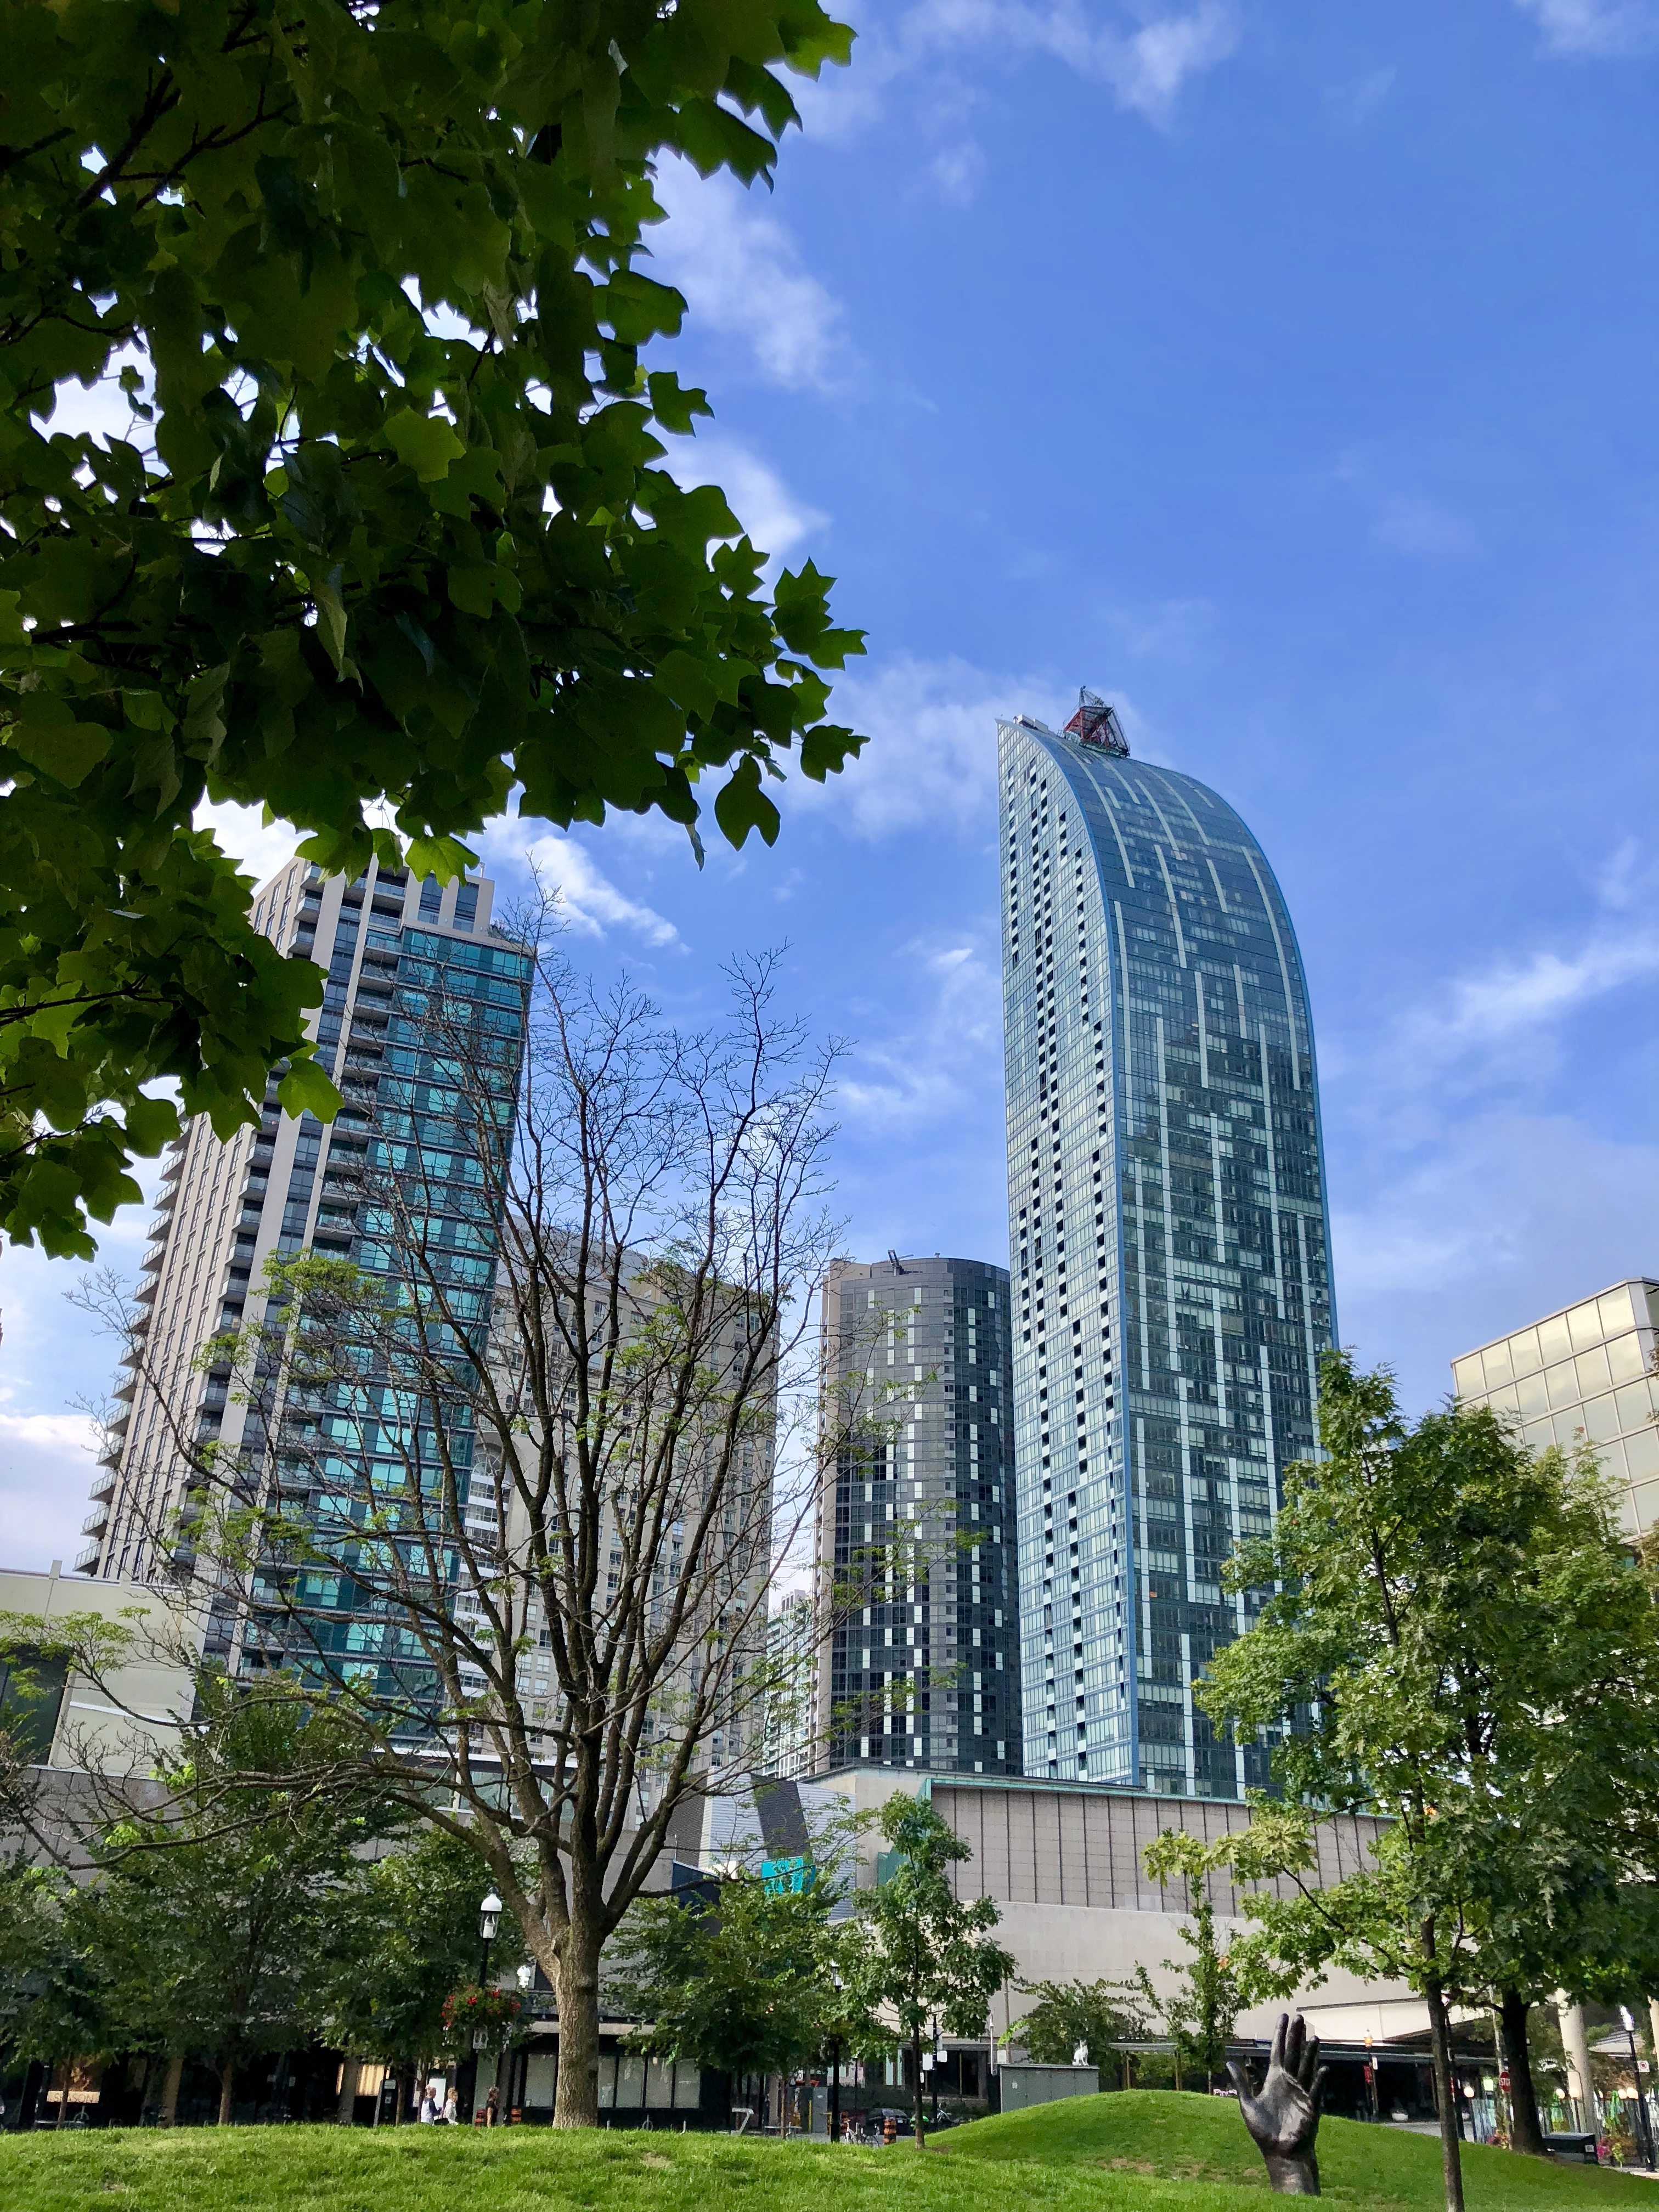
(1457,1642)
(387,538)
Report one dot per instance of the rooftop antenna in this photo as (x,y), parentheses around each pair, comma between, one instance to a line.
(1095,723)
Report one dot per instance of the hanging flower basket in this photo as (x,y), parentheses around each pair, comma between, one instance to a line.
(481,2017)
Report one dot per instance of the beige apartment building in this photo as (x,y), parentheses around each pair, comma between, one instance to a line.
(1586,1371)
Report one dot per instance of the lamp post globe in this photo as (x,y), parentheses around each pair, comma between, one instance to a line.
(490,1919)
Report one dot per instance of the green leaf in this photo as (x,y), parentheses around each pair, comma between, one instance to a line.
(425,443)
(305,1090)
(48,737)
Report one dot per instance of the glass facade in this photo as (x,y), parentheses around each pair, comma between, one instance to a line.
(920,1507)
(292,1184)
(1585,1374)
(1169,1237)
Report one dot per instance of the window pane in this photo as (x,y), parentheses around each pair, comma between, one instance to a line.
(1614,1311)
(1539,1435)
(688,2088)
(1646,1505)
(1563,1384)
(1533,1393)
(1496,1363)
(1591,1368)
(658,2085)
(1466,1378)
(630,2083)
(1553,1342)
(1641,1455)
(1523,1351)
(1634,1411)
(1585,1325)
(607,2083)
(540,2079)
(1625,1359)
(1601,1419)
(1612,1457)
(1567,1427)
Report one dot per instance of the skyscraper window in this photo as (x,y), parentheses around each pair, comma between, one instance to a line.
(1169,1241)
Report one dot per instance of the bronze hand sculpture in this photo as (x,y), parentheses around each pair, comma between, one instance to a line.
(1285,2119)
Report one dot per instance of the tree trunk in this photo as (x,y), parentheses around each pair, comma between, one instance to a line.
(576,1987)
(170,2085)
(350,2072)
(916,2062)
(227,2085)
(1445,2093)
(1526,2133)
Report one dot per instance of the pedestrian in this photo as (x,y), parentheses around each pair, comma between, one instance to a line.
(452,2109)
(428,2107)
(492,2108)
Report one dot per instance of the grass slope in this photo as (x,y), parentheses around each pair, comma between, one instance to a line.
(1202,2139)
(1142,2152)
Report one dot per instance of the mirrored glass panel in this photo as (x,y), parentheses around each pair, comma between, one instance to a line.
(1585,1325)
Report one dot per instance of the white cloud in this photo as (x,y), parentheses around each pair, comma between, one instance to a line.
(1145,67)
(741,273)
(1506,1218)
(1351,103)
(775,519)
(590,902)
(1404,521)
(932,759)
(45,1477)
(258,848)
(1595,28)
(918,1073)
(1512,1001)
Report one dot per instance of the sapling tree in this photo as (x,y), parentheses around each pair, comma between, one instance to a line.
(936,1964)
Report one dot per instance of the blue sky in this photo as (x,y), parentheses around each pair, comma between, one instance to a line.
(1285,371)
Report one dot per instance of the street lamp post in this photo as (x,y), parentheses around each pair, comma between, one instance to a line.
(490,1919)
(1644,2123)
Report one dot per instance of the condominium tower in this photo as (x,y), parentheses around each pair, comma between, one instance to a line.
(1169,1237)
(391,946)
(918,1589)
(1583,1376)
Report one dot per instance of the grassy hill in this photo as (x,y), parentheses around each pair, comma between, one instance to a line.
(1154,2133)
(1146,2151)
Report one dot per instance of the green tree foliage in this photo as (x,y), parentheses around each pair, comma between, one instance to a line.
(1204,2000)
(51,2007)
(936,1964)
(1070,2016)
(756,1981)
(215,1920)
(1457,1642)
(387,536)
(403,1936)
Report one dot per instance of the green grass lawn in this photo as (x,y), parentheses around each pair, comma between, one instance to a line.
(1144,2151)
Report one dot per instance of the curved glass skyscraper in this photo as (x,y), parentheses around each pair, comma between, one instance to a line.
(1169,1241)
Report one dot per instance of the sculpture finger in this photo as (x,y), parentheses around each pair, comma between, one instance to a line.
(1309,2063)
(1277,2057)
(1241,2081)
(1294,2040)
(1318,2089)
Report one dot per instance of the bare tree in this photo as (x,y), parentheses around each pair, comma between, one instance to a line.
(517,1478)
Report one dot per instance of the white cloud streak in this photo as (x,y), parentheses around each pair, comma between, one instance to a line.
(775,519)
(1594,29)
(741,273)
(590,902)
